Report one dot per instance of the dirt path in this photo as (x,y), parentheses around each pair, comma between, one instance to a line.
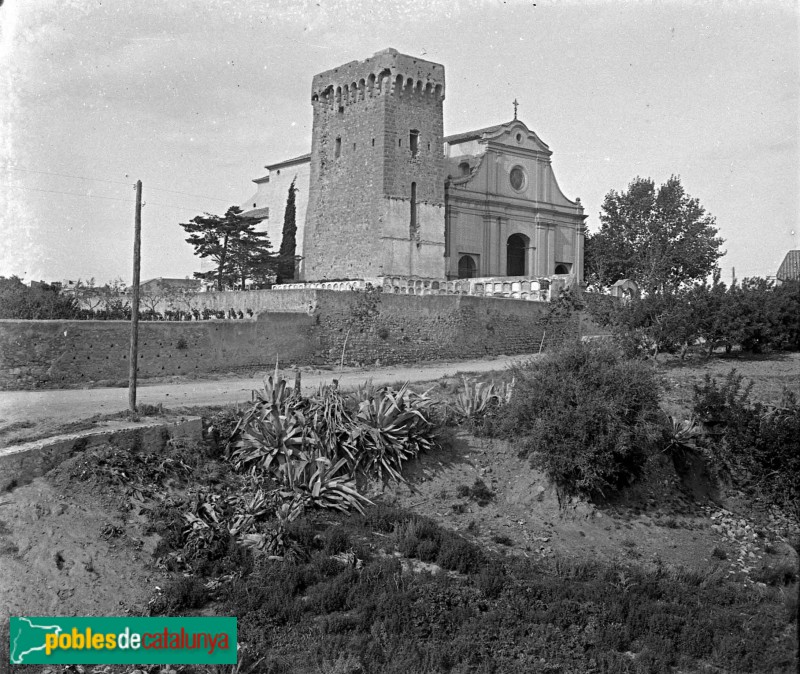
(43,411)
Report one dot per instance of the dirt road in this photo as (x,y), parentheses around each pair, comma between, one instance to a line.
(53,408)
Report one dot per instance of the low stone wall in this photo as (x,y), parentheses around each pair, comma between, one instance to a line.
(59,353)
(528,288)
(326,327)
(256,301)
(22,463)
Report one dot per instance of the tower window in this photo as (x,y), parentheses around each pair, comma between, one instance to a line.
(373,142)
(399,142)
(413,142)
(338,151)
(413,220)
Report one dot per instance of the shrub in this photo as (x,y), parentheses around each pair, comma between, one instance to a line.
(419,537)
(588,416)
(491,581)
(719,553)
(456,554)
(782,574)
(385,518)
(478,492)
(752,444)
(180,595)
(336,541)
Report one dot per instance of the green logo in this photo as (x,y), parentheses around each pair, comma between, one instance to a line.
(120,640)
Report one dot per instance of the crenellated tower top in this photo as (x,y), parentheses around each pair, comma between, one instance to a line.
(386,72)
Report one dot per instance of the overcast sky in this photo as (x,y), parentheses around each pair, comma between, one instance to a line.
(194,98)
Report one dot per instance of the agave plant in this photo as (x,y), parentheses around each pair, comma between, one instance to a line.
(265,437)
(316,481)
(682,436)
(476,398)
(331,418)
(251,509)
(390,428)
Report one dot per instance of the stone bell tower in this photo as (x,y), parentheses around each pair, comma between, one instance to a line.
(376,197)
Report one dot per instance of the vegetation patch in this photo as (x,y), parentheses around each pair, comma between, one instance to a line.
(586,415)
(753,444)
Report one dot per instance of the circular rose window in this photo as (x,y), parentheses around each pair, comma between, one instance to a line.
(517,178)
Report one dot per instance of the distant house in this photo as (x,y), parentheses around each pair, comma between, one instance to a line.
(160,285)
(790,267)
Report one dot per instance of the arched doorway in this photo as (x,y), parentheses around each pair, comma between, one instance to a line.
(562,269)
(467,267)
(517,248)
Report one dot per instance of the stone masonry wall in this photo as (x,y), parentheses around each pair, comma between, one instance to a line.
(367,327)
(405,328)
(62,353)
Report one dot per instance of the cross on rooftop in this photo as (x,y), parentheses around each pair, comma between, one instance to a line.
(515,108)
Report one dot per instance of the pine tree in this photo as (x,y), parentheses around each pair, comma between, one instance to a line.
(229,241)
(288,250)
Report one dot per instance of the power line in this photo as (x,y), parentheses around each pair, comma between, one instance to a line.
(115,182)
(67,175)
(178,208)
(98,196)
(70,194)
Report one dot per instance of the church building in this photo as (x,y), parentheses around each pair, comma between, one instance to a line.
(384,192)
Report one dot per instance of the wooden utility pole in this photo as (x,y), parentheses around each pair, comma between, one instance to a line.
(137,254)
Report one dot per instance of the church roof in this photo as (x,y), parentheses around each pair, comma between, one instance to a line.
(790,267)
(262,213)
(473,135)
(288,162)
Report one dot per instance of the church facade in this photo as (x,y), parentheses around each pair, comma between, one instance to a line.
(384,192)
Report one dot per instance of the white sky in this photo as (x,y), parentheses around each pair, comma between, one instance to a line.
(196,97)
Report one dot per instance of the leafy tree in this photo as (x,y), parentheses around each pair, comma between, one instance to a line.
(37,301)
(660,237)
(229,240)
(288,248)
(109,301)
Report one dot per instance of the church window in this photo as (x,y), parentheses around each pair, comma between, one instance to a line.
(517,178)
(464,168)
(467,267)
(399,142)
(338,150)
(354,147)
(562,268)
(373,142)
(413,142)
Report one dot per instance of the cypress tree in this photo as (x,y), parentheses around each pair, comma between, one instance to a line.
(288,248)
